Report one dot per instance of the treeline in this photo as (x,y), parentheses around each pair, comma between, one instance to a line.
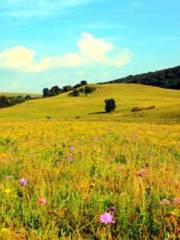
(6,101)
(166,78)
(56,90)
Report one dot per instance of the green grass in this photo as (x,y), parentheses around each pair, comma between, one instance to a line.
(127,96)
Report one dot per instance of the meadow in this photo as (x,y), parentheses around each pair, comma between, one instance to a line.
(102,176)
(127,96)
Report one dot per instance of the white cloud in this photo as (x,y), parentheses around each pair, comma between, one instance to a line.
(22,58)
(93,47)
(91,51)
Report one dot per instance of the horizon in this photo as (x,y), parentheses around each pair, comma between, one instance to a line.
(46,43)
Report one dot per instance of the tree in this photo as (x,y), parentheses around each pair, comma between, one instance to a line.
(46,92)
(76,86)
(4,101)
(67,88)
(110,105)
(83,82)
(27,97)
(55,90)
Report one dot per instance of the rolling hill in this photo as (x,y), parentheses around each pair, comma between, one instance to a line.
(91,107)
(11,94)
(166,78)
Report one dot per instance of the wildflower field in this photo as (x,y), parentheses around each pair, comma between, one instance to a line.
(69,171)
(89,180)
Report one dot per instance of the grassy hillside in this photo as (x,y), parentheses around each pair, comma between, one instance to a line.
(166,78)
(127,96)
(59,179)
(21,94)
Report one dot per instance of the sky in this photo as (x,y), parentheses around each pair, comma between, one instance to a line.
(61,42)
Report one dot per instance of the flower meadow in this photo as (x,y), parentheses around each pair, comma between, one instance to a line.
(89,180)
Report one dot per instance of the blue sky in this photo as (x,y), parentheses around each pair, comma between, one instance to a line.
(59,42)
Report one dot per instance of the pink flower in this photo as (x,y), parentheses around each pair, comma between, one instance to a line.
(23,181)
(69,158)
(42,201)
(176,201)
(72,148)
(106,218)
(142,173)
(165,202)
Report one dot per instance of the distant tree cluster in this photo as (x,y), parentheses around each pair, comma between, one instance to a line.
(10,101)
(83,90)
(167,78)
(56,90)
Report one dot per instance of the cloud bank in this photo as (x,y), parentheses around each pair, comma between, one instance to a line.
(91,52)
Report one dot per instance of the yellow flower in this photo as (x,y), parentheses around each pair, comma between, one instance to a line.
(7,190)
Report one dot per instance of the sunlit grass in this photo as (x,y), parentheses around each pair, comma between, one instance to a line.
(76,171)
(127,96)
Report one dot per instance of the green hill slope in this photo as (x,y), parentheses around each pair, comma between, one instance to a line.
(127,96)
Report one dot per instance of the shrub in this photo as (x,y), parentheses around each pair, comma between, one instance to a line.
(74,93)
(67,88)
(27,97)
(150,107)
(10,101)
(136,109)
(110,105)
(89,89)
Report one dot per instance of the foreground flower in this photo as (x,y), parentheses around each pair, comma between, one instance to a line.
(176,201)
(106,218)
(142,173)
(7,190)
(72,148)
(23,181)
(165,202)
(69,158)
(42,201)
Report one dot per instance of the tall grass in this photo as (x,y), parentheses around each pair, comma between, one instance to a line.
(82,170)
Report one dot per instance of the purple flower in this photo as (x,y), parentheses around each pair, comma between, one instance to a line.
(142,173)
(165,202)
(72,148)
(106,218)
(42,201)
(69,158)
(23,181)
